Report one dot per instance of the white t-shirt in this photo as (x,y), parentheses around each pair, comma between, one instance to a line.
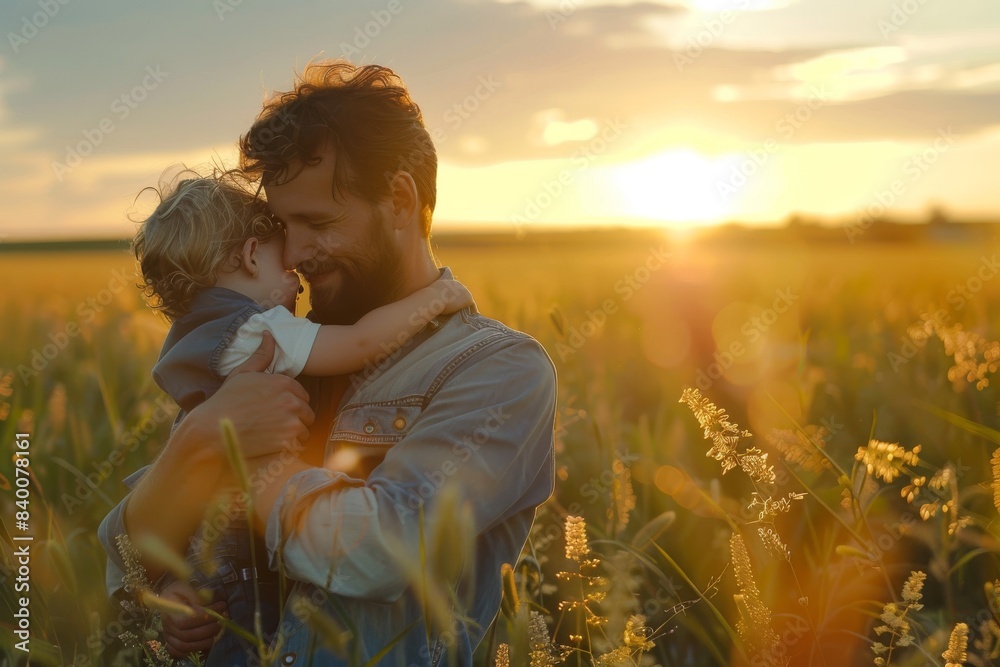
(293,341)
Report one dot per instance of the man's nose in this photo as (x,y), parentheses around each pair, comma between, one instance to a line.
(294,252)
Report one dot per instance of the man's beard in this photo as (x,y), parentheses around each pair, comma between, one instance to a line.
(371,277)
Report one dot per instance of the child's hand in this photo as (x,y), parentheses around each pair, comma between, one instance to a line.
(189,634)
(455,295)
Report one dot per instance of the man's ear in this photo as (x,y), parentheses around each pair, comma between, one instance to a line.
(248,255)
(405,200)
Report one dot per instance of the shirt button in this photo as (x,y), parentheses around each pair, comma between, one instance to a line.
(370,427)
(288,659)
(399,423)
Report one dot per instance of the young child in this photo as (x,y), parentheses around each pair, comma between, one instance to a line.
(211,261)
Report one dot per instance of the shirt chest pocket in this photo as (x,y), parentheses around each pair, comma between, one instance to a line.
(363,433)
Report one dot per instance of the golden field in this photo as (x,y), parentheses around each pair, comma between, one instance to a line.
(816,349)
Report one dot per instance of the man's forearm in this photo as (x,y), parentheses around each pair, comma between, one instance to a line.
(193,470)
(267,476)
(170,500)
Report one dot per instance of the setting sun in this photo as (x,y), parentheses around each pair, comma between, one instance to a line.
(488,334)
(676,186)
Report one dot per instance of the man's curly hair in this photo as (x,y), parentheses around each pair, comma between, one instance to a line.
(364,113)
(193,233)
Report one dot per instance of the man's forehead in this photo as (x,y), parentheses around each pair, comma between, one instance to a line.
(302,211)
(310,190)
(306,174)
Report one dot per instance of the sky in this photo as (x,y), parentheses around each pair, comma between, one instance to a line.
(545,112)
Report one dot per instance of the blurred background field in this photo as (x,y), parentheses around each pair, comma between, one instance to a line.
(822,328)
(782,332)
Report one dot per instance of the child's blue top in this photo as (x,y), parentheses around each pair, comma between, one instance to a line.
(188,367)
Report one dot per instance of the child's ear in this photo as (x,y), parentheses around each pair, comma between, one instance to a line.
(249,256)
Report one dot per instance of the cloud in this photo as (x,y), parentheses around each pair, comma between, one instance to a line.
(600,61)
(91,198)
(690,5)
(499,83)
(22,172)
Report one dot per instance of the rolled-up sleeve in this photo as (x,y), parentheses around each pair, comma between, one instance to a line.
(487,431)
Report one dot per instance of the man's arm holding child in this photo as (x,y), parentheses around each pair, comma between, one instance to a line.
(346,349)
(271,414)
(348,535)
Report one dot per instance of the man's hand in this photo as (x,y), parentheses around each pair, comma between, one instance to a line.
(271,413)
(189,634)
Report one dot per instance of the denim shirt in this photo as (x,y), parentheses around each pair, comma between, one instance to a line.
(467,402)
(188,367)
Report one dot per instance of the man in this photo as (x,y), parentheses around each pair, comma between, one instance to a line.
(455,420)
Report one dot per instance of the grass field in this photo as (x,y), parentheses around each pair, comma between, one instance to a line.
(817,350)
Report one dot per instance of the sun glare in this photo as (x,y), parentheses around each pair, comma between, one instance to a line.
(743,5)
(677,186)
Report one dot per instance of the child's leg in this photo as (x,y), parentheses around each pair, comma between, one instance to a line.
(236,587)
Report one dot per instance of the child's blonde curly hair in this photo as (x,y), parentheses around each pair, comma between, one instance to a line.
(193,233)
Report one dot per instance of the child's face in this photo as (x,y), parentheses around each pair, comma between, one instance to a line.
(278,286)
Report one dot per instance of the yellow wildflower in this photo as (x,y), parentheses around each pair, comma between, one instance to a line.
(637,633)
(542,651)
(885,460)
(773,542)
(802,447)
(754,626)
(995,462)
(503,656)
(620,657)
(956,655)
(134,580)
(724,435)
(913,589)
(576,538)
